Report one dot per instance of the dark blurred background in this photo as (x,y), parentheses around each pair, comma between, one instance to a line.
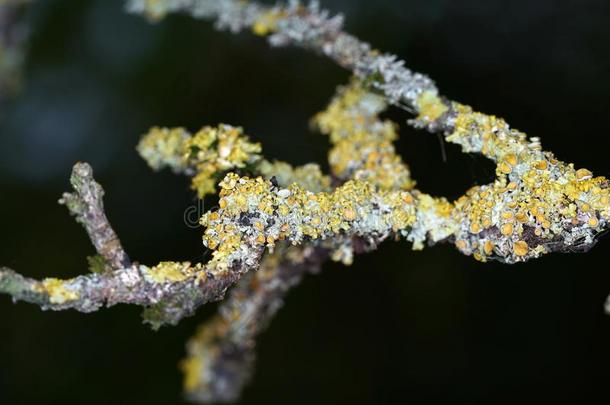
(398,325)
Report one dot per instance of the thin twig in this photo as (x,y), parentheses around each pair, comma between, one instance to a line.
(87,205)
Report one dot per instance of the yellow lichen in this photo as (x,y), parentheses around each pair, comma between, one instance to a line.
(266,23)
(507,229)
(505,168)
(507,215)
(362,142)
(541,165)
(536,189)
(533,190)
(299,213)
(475,227)
(209,153)
(192,368)
(215,150)
(520,248)
(172,272)
(58,291)
(461,244)
(430,107)
(582,174)
(511,159)
(162,147)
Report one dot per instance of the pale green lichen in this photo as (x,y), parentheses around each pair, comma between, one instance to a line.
(207,154)
(164,147)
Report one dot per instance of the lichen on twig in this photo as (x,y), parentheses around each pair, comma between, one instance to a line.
(86,204)
(275,223)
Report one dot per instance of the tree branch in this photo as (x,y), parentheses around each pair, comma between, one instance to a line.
(87,205)
(220,357)
(536,205)
(308,27)
(173,290)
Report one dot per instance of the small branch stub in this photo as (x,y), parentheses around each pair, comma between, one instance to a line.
(86,204)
